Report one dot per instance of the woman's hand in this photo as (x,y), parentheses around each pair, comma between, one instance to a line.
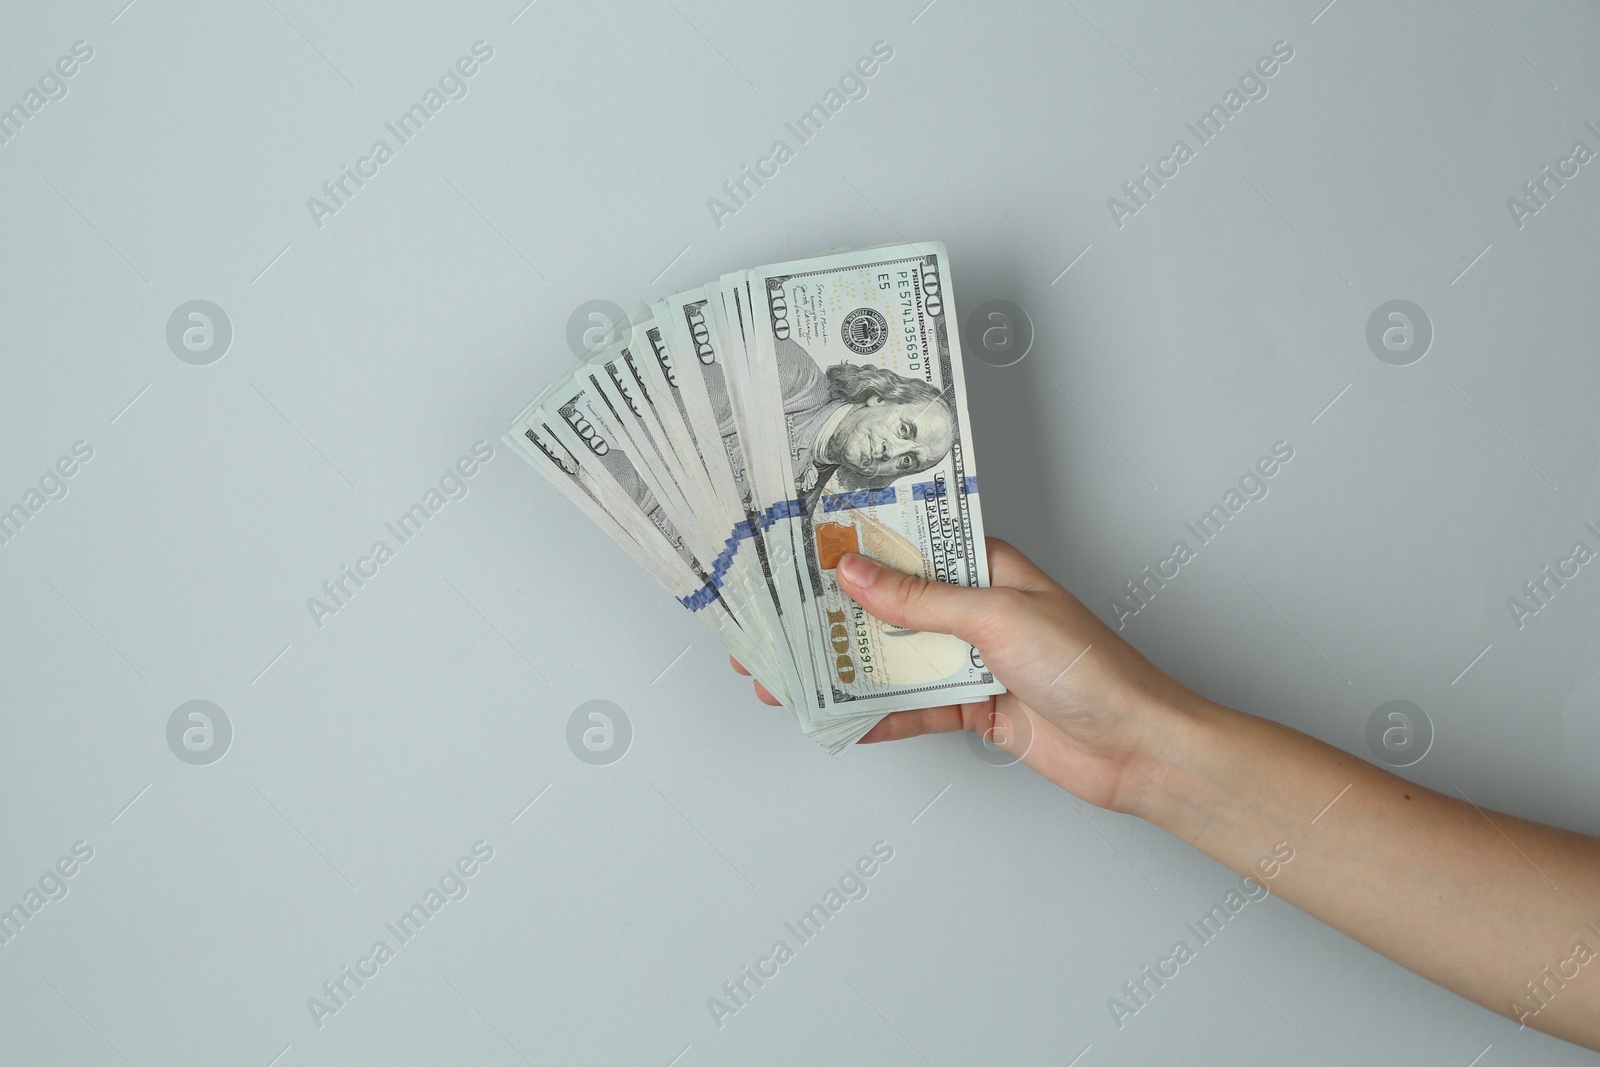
(1464,897)
(1084,708)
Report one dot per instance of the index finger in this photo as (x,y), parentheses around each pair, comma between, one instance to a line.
(899,725)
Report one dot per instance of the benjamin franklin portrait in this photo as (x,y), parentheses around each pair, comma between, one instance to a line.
(855,426)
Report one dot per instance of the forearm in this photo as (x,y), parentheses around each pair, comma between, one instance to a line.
(1495,908)
(1478,902)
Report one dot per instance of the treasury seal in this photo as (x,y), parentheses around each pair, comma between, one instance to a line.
(865,331)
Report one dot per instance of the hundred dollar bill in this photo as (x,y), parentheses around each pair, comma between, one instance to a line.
(613,375)
(861,355)
(756,412)
(579,417)
(538,443)
(735,559)
(721,422)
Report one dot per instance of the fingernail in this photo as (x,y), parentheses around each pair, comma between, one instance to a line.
(861,571)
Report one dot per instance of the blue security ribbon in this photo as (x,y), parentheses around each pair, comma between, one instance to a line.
(925,490)
(742,531)
(858,498)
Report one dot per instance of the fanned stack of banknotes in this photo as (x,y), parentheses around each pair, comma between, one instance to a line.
(737,439)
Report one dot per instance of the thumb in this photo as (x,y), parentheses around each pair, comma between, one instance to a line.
(912,601)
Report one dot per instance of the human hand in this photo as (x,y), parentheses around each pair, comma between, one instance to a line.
(1084,708)
(1399,868)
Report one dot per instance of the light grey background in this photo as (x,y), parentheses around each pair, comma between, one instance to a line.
(369,354)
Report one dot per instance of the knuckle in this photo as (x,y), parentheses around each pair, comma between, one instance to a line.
(976,717)
(912,593)
(1000,607)
(1004,599)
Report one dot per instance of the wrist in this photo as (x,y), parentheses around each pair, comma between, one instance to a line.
(1161,783)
